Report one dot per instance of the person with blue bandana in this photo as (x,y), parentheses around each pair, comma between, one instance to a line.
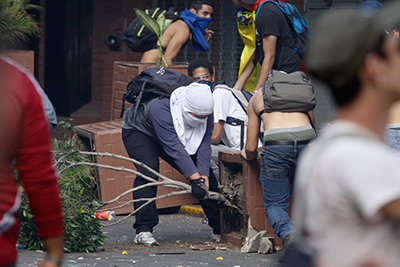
(192,25)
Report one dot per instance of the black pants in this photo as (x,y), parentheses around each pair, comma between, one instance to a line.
(147,150)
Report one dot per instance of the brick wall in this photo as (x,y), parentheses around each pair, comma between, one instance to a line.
(109,17)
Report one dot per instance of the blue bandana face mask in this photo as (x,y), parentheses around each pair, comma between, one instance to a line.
(197,26)
(209,83)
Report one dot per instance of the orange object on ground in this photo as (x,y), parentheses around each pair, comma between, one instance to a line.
(105,215)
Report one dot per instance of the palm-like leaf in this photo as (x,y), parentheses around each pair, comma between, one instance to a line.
(161,22)
(149,22)
(166,24)
(16,25)
(157,26)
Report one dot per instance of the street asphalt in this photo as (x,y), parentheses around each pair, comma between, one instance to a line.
(185,240)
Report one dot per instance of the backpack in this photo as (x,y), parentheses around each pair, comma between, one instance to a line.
(139,38)
(298,26)
(291,92)
(152,83)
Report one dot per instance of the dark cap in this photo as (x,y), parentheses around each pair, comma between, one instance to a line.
(342,39)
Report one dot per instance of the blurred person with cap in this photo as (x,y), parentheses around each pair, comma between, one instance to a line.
(347,190)
(392,132)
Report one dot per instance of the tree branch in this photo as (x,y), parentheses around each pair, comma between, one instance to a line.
(136,162)
(145,204)
(167,182)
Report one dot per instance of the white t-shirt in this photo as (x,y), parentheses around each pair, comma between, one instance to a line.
(342,181)
(226,105)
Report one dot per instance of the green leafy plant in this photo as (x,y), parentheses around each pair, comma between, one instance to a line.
(78,191)
(156,26)
(16,24)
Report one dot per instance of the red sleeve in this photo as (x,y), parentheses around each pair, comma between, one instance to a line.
(34,164)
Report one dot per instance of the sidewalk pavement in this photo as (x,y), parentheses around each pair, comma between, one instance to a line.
(176,234)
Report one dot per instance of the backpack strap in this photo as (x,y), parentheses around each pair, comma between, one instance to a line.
(236,122)
(123,106)
(240,98)
(138,101)
(290,24)
(237,94)
(231,120)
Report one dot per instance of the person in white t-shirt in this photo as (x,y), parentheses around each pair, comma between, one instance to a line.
(227,133)
(347,189)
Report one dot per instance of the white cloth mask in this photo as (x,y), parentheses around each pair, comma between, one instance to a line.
(197,99)
(191,120)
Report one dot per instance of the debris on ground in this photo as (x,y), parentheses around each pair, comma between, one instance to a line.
(105,215)
(257,241)
(206,247)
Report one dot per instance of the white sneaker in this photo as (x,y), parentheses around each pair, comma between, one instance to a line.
(145,238)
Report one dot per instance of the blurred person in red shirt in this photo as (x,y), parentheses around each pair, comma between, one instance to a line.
(25,146)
